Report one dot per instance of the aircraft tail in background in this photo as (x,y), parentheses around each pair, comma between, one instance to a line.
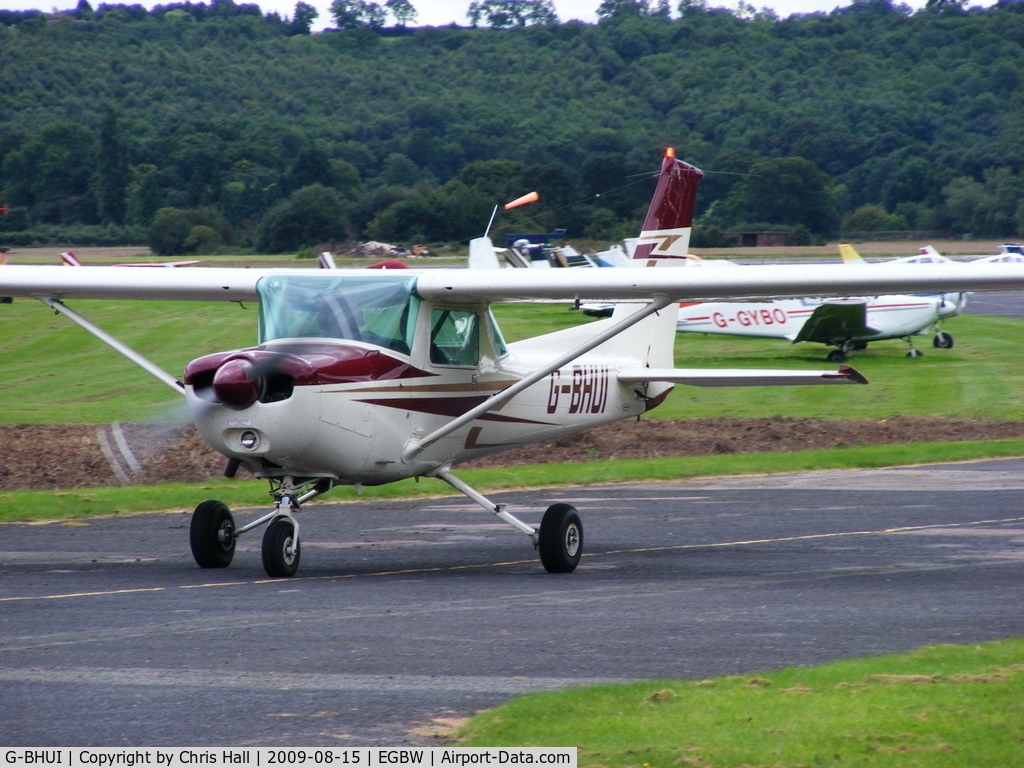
(849,254)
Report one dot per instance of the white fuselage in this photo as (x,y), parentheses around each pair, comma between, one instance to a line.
(890,316)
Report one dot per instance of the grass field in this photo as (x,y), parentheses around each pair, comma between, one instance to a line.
(938,707)
(53,372)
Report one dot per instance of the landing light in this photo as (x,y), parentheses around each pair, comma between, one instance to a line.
(250,440)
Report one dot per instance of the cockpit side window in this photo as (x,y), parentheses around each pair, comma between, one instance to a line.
(379,309)
(454,337)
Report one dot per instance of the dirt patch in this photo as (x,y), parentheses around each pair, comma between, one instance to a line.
(76,455)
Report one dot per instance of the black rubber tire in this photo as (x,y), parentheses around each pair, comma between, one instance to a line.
(560,539)
(915,353)
(942,340)
(280,557)
(210,535)
(836,356)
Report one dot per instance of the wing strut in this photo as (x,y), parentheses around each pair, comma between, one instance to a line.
(415,447)
(151,368)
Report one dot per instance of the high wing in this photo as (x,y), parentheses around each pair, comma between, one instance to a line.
(751,282)
(837,320)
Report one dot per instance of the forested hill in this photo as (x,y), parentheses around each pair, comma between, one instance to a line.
(208,128)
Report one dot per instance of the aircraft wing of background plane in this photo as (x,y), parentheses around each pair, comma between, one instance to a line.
(70,260)
(837,320)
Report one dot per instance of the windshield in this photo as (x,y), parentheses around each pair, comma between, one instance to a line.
(377,309)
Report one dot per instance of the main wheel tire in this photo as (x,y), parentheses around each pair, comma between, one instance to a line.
(943,340)
(560,539)
(211,535)
(281,549)
(836,356)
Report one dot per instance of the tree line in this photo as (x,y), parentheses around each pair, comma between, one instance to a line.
(198,127)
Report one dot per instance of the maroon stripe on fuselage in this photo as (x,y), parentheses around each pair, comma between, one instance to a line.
(446,406)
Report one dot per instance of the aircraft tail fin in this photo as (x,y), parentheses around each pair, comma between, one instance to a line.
(70,260)
(482,254)
(664,242)
(849,254)
(665,235)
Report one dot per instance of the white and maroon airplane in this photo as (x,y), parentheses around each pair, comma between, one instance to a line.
(365,377)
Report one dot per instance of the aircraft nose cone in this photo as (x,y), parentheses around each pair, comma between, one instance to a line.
(236,384)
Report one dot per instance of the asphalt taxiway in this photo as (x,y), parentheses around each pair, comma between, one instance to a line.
(406,614)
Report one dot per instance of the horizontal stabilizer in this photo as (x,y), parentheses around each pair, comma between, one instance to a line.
(740,377)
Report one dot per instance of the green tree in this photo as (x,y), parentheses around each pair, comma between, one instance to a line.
(867,218)
(145,197)
(787,191)
(356,14)
(312,166)
(405,15)
(52,172)
(311,215)
(303,18)
(618,9)
(499,14)
(175,232)
(111,171)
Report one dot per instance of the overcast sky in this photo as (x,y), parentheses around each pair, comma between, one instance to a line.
(441,12)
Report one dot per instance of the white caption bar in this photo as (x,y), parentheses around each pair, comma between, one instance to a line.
(311,757)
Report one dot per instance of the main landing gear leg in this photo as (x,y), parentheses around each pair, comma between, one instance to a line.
(559,538)
(913,351)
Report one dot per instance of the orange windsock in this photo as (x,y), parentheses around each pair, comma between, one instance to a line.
(530,197)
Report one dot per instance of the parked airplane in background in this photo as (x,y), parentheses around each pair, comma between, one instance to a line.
(70,260)
(524,254)
(1009,253)
(847,324)
(365,377)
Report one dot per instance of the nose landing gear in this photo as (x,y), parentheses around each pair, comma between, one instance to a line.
(213,533)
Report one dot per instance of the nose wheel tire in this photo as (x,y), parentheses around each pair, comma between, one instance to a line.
(281,550)
(212,535)
(560,539)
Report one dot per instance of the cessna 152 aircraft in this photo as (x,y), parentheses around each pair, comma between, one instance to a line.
(367,377)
